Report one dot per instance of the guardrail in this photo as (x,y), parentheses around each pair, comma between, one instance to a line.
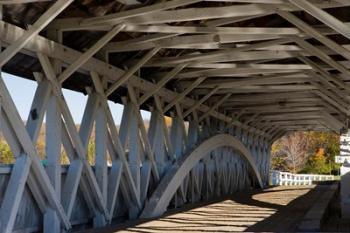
(287,178)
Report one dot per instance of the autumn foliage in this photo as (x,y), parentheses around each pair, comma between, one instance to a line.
(307,152)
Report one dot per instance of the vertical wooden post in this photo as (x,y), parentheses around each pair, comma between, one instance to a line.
(176,136)
(157,139)
(53,147)
(193,133)
(129,136)
(101,168)
(53,160)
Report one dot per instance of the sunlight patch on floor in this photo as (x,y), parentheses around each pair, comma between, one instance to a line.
(282,196)
(225,216)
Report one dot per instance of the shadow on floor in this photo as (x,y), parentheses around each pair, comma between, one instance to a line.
(287,217)
(274,210)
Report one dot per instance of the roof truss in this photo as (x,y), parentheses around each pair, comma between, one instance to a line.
(216,58)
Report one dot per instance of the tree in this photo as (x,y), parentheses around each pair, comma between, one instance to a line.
(317,163)
(91,153)
(307,152)
(6,156)
(278,161)
(327,145)
(293,148)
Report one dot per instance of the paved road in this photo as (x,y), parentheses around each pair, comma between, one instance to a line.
(276,209)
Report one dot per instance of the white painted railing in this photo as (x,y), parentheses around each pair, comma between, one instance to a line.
(287,178)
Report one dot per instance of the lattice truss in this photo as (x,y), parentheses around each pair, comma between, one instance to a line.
(239,73)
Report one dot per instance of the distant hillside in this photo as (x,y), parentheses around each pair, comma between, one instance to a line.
(6,156)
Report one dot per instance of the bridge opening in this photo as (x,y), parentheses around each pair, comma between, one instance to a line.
(307,152)
(129,109)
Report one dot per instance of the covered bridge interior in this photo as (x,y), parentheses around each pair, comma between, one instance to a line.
(233,75)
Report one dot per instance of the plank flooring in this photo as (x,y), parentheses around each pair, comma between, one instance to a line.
(277,209)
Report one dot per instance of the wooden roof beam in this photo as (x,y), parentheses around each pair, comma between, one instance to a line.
(157,13)
(260,89)
(184,93)
(130,72)
(89,53)
(223,56)
(124,15)
(314,33)
(254,81)
(33,30)
(271,110)
(255,100)
(271,96)
(183,42)
(11,2)
(10,33)
(232,72)
(323,16)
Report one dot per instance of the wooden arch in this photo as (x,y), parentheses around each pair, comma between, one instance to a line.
(172,180)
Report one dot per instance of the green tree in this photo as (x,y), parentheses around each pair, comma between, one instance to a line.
(327,142)
(278,161)
(91,152)
(317,163)
(6,156)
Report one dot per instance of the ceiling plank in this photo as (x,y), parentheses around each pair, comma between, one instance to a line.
(118,17)
(323,16)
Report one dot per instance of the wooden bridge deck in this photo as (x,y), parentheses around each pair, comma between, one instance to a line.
(277,209)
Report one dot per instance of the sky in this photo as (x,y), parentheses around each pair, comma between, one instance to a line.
(23,90)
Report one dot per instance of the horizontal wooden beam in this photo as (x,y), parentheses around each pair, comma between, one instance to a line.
(10,33)
(10,2)
(118,17)
(233,72)
(172,41)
